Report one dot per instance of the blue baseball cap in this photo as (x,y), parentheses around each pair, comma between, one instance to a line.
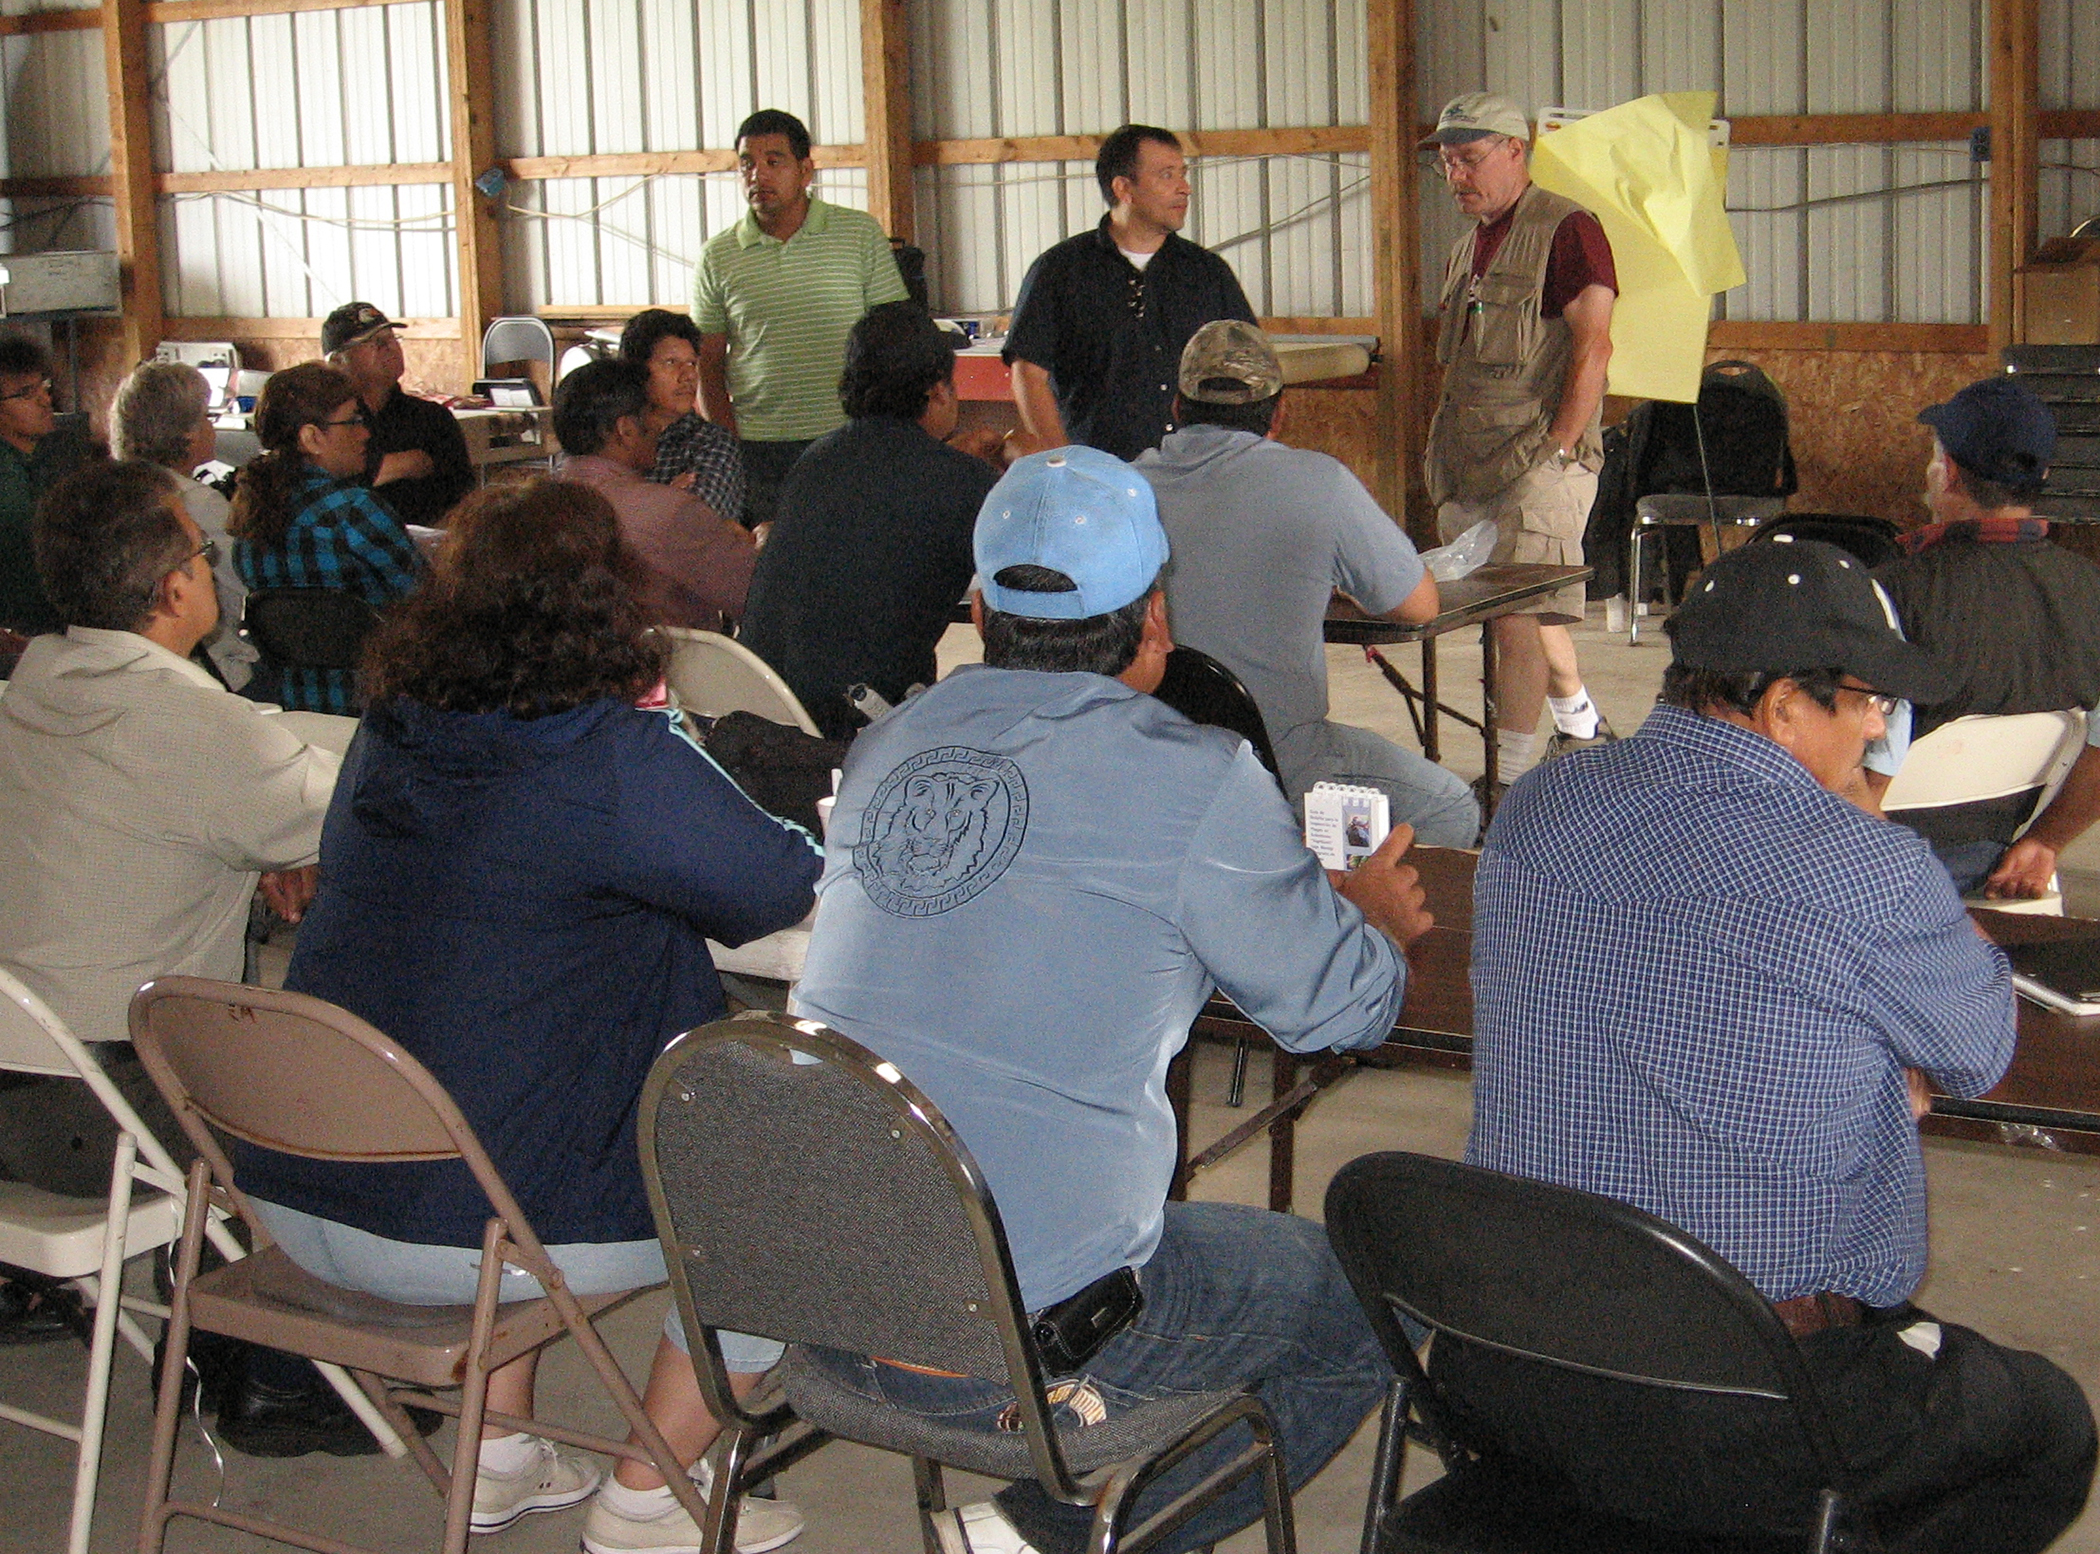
(1997,429)
(1074,510)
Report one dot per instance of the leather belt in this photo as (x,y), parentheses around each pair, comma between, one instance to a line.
(1806,1314)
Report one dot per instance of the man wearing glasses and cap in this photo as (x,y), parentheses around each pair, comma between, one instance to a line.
(1709,984)
(1037,873)
(2016,617)
(1524,342)
(416,461)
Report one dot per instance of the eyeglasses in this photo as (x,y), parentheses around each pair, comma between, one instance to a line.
(1448,163)
(209,550)
(43,387)
(1875,700)
(355,420)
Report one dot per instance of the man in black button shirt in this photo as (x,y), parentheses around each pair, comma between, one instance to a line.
(417,459)
(870,548)
(1102,317)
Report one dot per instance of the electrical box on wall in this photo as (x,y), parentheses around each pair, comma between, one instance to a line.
(71,282)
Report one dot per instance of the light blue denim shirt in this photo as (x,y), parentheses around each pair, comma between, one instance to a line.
(1033,883)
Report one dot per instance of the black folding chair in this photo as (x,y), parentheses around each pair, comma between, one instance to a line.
(826,1201)
(308,628)
(1567,1327)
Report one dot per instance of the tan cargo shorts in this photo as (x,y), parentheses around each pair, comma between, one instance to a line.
(1538,517)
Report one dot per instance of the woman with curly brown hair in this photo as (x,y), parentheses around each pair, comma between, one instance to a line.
(522,868)
(303,518)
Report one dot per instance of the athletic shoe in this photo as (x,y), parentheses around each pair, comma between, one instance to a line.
(1561,744)
(552,1480)
(979,1529)
(760,1525)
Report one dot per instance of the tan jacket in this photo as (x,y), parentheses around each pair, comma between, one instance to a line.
(139,799)
(1503,375)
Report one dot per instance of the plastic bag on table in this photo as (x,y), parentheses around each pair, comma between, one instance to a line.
(1468,553)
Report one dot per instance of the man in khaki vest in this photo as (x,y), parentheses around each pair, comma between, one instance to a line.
(1525,337)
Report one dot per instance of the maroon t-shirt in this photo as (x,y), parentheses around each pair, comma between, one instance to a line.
(1581,257)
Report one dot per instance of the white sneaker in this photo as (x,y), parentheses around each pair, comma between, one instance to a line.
(979,1529)
(551,1481)
(760,1525)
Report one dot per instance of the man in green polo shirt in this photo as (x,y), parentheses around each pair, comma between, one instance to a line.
(774,297)
(26,425)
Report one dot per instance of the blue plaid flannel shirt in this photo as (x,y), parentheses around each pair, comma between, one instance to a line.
(1697,980)
(714,456)
(342,537)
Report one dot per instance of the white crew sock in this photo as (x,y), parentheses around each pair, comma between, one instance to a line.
(1515,753)
(508,1454)
(1575,716)
(639,1505)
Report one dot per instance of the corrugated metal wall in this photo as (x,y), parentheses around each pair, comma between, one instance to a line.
(55,126)
(311,89)
(1865,233)
(594,77)
(1293,227)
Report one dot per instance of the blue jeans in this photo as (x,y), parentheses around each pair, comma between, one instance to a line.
(1234,1296)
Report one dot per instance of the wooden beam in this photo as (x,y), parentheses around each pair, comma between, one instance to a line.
(652,164)
(2015,150)
(1396,262)
(885,75)
(70,186)
(161,13)
(1790,335)
(471,82)
(1849,129)
(131,173)
(1309,141)
(363,176)
(296,329)
(2070,124)
(49,21)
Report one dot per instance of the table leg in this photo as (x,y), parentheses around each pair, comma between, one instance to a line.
(1430,743)
(1283,1134)
(1178,1099)
(1493,763)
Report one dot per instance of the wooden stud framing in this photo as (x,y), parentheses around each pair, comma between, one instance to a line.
(131,174)
(1396,260)
(470,79)
(885,73)
(2015,151)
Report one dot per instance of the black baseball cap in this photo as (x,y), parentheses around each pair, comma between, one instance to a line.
(1999,430)
(350,323)
(1782,605)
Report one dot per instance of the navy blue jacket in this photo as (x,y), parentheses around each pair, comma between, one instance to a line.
(522,905)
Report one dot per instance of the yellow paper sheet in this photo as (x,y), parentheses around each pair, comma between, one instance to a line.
(1648,172)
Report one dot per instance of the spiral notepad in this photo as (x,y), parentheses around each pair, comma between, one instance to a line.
(1344,825)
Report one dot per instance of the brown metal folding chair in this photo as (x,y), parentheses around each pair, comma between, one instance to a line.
(298,1075)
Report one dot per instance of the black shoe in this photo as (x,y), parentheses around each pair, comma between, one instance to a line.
(1560,744)
(35,1316)
(265,1421)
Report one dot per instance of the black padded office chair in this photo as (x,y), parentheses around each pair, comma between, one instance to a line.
(308,628)
(1204,691)
(826,1201)
(1872,540)
(1568,1325)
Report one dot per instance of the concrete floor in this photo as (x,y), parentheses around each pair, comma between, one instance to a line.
(2012,1254)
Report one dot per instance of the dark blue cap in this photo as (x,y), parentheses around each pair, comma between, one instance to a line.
(1998,430)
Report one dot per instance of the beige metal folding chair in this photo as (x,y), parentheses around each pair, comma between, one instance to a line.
(1978,757)
(297,1075)
(714,675)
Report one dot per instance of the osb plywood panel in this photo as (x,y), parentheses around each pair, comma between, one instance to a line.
(1853,419)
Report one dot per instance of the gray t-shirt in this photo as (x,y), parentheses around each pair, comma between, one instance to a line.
(1033,882)
(1261,536)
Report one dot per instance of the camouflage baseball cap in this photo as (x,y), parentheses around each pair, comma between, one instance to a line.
(1230,348)
(350,323)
